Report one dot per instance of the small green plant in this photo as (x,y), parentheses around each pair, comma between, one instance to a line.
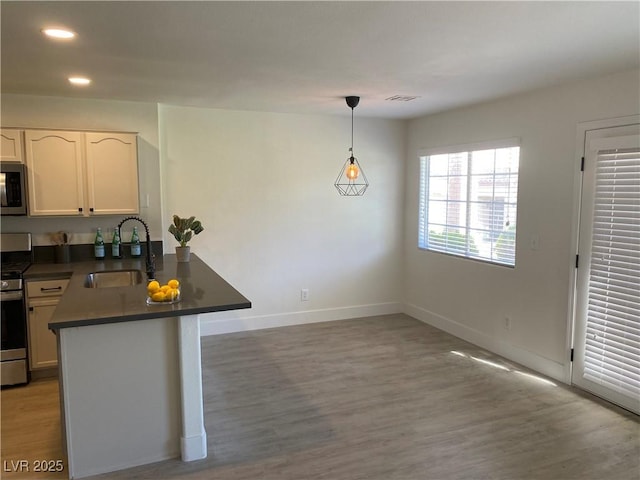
(452,242)
(183,229)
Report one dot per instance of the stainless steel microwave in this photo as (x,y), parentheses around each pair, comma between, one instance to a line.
(13,194)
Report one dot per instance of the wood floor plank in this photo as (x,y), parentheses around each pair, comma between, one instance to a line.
(390,398)
(30,431)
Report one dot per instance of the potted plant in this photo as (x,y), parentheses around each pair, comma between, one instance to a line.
(183,229)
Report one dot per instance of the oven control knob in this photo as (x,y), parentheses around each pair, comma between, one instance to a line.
(5,284)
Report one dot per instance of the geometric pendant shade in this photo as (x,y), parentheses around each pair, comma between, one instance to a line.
(351,180)
(349,183)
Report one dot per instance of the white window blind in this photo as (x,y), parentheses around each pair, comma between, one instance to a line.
(468,202)
(612,349)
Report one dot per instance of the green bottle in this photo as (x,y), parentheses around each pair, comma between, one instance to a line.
(135,244)
(98,245)
(115,244)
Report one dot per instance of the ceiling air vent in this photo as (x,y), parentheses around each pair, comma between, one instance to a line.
(401,98)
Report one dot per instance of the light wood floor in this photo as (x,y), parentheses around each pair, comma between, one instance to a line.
(30,429)
(375,398)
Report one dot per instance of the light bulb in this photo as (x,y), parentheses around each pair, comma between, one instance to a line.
(58,33)
(352,171)
(79,80)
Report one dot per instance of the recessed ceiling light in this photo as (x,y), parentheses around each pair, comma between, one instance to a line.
(59,33)
(80,80)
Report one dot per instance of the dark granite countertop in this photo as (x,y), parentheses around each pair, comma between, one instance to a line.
(202,291)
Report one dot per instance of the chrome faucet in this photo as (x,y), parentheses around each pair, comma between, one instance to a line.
(151,266)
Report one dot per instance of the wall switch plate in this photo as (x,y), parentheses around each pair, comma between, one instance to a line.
(304,295)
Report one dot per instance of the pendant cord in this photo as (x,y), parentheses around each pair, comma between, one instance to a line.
(351,131)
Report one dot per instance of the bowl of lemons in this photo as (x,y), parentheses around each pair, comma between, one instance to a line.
(168,293)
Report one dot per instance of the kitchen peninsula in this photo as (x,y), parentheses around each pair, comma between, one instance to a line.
(130,373)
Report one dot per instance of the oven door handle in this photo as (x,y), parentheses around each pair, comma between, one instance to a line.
(10,296)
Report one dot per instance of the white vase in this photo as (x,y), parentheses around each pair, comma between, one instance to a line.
(183,254)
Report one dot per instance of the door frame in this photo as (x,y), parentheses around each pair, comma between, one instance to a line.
(580,152)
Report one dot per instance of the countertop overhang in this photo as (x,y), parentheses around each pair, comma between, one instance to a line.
(202,291)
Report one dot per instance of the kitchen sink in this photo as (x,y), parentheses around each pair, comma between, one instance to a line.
(113,278)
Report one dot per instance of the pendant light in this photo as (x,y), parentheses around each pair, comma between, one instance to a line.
(351,180)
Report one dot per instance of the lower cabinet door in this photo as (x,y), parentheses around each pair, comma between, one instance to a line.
(43,349)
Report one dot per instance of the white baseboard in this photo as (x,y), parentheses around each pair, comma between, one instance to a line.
(216,324)
(517,354)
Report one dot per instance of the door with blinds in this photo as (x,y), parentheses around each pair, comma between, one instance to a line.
(607,307)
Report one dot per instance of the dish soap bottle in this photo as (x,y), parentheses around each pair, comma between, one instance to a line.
(135,244)
(98,245)
(115,244)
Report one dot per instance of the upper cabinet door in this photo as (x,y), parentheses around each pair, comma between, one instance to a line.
(55,172)
(11,149)
(112,173)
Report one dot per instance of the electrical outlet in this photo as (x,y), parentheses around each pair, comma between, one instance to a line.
(535,242)
(304,295)
(507,323)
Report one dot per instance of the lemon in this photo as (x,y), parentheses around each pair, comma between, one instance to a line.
(172,294)
(153,286)
(158,296)
(173,283)
(165,288)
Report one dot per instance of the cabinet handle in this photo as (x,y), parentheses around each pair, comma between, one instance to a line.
(50,289)
(91,209)
(80,209)
(31,309)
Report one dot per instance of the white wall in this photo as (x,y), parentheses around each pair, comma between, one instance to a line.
(82,114)
(262,185)
(471,299)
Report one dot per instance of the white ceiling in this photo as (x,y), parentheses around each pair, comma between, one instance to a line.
(304,57)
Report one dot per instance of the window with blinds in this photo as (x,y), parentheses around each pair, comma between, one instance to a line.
(612,349)
(468,202)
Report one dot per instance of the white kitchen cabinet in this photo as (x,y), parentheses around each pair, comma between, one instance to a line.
(42,298)
(11,145)
(43,352)
(112,173)
(54,172)
(81,173)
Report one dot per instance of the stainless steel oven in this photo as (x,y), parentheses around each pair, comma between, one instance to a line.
(16,252)
(13,355)
(13,192)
